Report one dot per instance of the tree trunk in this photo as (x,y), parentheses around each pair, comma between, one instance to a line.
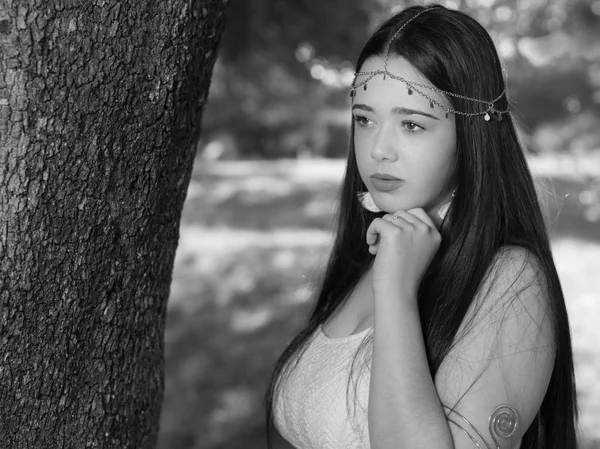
(100,109)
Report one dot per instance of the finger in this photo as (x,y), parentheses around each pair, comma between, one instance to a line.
(372,239)
(405,219)
(373,245)
(426,221)
(372,235)
(389,218)
(377,226)
(400,220)
(422,216)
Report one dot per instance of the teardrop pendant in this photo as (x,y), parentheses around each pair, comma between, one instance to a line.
(486,117)
(365,86)
(410,92)
(431,104)
(446,115)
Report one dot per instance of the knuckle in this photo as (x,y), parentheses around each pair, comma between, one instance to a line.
(396,231)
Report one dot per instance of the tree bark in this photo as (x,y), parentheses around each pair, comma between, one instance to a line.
(100,109)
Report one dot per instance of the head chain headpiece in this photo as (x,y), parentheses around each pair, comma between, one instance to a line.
(413,86)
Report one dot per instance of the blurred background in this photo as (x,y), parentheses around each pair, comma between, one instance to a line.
(256,228)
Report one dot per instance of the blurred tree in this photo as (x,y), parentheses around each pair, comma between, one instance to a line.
(272,96)
(100,108)
(264,94)
(337,28)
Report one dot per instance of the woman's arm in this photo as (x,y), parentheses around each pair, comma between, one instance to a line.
(507,351)
(404,408)
(506,356)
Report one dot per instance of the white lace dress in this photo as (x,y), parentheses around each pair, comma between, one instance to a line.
(312,411)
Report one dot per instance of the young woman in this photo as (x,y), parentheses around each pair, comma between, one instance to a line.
(440,322)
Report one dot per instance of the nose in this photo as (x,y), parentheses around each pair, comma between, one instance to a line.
(383,145)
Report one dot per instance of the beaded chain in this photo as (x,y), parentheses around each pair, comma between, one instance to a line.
(490,113)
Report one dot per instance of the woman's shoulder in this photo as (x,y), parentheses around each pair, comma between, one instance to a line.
(511,255)
(515,284)
(515,265)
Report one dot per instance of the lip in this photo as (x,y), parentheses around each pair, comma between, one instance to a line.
(385,182)
(386,177)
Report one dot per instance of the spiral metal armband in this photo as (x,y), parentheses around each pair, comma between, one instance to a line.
(504,422)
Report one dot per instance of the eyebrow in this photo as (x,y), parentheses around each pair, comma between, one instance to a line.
(396,110)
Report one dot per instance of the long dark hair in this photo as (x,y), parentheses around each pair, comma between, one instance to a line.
(495,206)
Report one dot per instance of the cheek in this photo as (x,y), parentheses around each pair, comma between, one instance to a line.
(361,154)
(444,176)
(359,145)
(432,172)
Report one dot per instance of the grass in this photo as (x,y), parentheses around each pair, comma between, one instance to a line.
(254,236)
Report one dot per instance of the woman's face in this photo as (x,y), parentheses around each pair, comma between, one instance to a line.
(400,135)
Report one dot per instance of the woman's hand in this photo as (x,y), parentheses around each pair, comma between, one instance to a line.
(404,249)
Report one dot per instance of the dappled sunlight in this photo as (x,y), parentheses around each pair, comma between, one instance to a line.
(319,207)
(284,259)
(245,273)
(301,171)
(545,50)
(253,189)
(235,404)
(579,133)
(223,240)
(250,320)
(265,196)
(567,165)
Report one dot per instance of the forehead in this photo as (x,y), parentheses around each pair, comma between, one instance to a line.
(391,91)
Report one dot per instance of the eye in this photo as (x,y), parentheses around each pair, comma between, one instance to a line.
(412,127)
(361,120)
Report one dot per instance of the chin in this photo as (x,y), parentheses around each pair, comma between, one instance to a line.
(390,207)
